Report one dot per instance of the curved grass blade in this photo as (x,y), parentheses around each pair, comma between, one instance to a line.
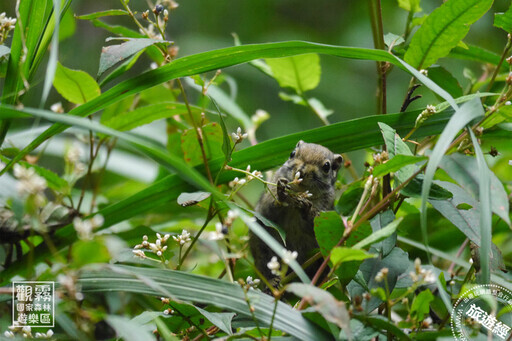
(201,289)
(485,211)
(213,60)
(54,54)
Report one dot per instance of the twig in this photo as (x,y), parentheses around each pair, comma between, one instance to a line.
(502,59)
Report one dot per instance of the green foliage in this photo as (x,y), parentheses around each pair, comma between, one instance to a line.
(443,29)
(301,73)
(504,20)
(74,85)
(148,207)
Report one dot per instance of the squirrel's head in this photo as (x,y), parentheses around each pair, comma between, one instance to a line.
(317,166)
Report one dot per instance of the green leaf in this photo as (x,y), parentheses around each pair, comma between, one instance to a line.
(67,25)
(53,181)
(391,39)
(127,330)
(396,163)
(503,114)
(378,223)
(226,141)
(301,73)
(414,189)
(108,13)
(421,304)
(124,121)
(189,199)
(75,86)
(200,289)
(484,196)
(214,60)
(212,140)
(113,54)
(504,20)
(345,254)
(328,230)
(443,29)
(221,320)
(410,5)
(441,76)
(126,65)
(322,301)
(397,262)
(396,146)
(265,155)
(379,235)
(478,54)
(81,253)
(464,170)
(350,198)
(4,50)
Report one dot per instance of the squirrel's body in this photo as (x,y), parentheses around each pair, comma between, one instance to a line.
(317,167)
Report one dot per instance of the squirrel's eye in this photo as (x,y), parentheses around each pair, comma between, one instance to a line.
(326,167)
(292,154)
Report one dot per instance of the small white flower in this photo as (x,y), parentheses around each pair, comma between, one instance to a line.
(153,66)
(424,72)
(508,103)
(428,321)
(29,182)
(83,228)
(8,334)
(273,265)
(289,256)
(428,276)
(218,234)
(381,275)
(183,238)
(259,117)
(238,136)
(252,283)
(57,108)
(74,153)
(509,163)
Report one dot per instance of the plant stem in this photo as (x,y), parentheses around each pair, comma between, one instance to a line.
(276,300)
(502,59)
(198,130)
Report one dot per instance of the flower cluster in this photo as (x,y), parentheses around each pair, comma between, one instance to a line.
(26,332)
(429,111)
(273,266)
(182,238)
(259,117)
(252,283)
(84,228)
(221,230)
(420,274)
(238,137)
(158,247)
(250,176)
(6,25)
(381,157)
(29,182)
(382,275)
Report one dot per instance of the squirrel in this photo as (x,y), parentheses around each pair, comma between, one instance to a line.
(298,203)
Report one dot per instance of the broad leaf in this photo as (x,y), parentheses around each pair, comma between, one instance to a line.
(379,235)
(421,304)
(147,114)
(396,163)
(212,140)
(344,254)
(464,170)
(113,54)
(504,20)
(443,29)
(301,73)
(322,301)
(441,76)
(189,199)
(328,231)
(74,85)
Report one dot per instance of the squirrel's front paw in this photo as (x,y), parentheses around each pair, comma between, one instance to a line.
(282,187)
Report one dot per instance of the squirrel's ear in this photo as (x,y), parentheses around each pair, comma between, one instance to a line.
(299,143)
(338,160)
